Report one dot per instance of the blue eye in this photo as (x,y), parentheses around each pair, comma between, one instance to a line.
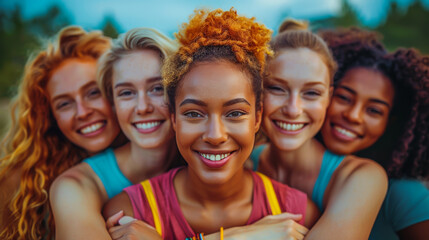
(275,88)
(125,93)
(312,93)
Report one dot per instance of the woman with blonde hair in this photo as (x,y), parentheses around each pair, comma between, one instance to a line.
(58,117)
(348,190)
(130,77)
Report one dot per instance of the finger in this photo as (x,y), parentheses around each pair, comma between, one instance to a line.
(301,229)
(113,220)
(126,219)
(117,232)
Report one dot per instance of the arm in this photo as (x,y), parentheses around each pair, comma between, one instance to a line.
(353,201)
(120,206)
(282,226)
(76,204)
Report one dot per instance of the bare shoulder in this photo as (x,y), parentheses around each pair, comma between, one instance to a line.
(118,203)
(356,168)
(75,182)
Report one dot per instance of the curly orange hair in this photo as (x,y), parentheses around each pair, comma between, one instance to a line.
(34,146)
(218,35)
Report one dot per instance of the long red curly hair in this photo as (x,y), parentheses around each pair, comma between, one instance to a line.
(34,146)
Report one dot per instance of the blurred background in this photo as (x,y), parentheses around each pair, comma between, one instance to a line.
(25,24)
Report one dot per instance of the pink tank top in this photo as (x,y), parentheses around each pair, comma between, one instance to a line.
(174,224)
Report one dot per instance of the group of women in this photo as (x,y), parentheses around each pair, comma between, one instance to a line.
(226,132)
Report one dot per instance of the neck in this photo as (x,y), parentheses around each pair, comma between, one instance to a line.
(140,164)
(307,158)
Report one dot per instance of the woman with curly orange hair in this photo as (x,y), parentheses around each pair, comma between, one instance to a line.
(214,86)
(58,117)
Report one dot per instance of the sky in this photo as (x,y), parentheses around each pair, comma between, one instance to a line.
(167,15)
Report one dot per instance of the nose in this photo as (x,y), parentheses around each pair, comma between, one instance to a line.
(144,104)
(83,110)
(353,114)
(215,133)
(292,107)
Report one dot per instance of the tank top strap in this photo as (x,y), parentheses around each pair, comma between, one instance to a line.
(106,167)
(330,163)
(270,194)
(256,154)
(148,190)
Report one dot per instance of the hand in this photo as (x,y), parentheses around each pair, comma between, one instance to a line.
(124,227)
(282,226)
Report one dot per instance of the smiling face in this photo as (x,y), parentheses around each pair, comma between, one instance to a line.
(139,101)
(215,120)
(82,114)
(295,98)
(359,111)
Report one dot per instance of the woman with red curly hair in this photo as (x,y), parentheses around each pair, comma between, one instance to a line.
(58,117)
(214,85)
(396,135)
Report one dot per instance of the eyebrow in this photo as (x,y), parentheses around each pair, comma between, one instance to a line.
(92,82)
(283,81)
(203,104)
(150,80)
(371,99)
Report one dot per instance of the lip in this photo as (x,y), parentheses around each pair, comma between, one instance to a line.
(149,129)
(214,164)
(94,133)
(289,132)
(342,136)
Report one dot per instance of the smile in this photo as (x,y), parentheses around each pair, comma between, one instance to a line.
(289,126)
(147,125)
(91,128)
(214,157)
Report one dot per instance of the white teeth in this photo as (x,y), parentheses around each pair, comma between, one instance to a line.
(345,132)
(148,125)
(214,157)
(289,126)
(91,128)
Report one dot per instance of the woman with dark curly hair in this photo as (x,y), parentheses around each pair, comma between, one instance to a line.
(59,116)
(214,86)
(361,118)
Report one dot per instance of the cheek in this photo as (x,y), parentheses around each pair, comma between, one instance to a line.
(64,120)
(317,111)
(376,127)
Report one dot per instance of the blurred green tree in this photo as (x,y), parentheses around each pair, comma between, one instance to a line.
(110,27)
(19,38)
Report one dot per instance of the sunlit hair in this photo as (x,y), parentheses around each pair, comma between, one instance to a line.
(403,147)
(34,147)
(294,34)
(218,36)
(129,42)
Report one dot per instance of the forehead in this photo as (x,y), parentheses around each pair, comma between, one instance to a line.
(369,83)
(215,81)
(299,66)
(72,75)
(137,65)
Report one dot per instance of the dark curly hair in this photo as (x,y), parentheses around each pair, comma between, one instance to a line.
(218,35)
(402,149)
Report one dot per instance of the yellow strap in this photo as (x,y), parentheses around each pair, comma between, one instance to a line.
(271,195)
(147,187)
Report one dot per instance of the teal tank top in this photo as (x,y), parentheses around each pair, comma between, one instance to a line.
(106,167)
(330,163)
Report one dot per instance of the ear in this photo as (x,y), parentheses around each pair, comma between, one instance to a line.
(173,120)
(258,118)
